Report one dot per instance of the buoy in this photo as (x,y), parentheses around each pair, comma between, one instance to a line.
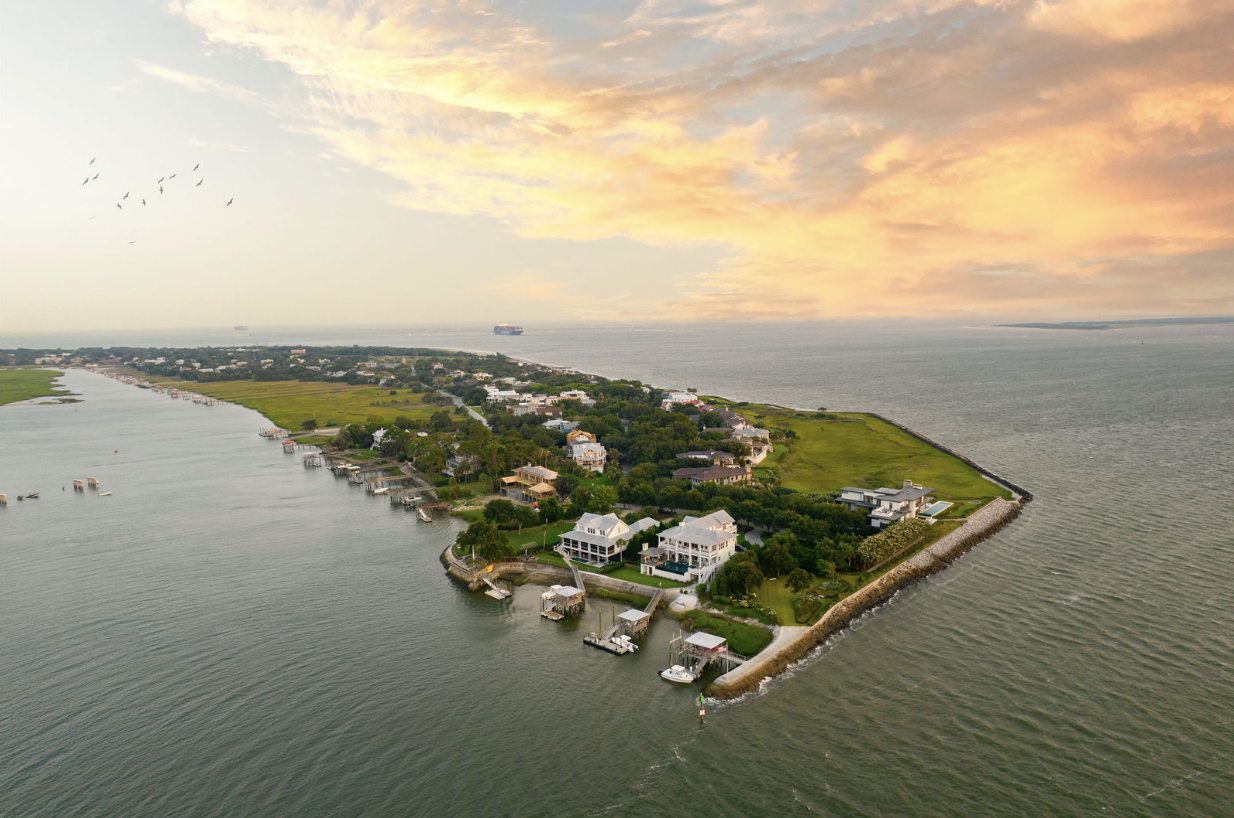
(117,451)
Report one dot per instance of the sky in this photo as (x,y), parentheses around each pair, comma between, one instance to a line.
(621,161)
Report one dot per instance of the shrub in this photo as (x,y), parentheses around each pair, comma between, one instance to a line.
(891,541)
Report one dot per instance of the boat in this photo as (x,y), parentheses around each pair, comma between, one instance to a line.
(424,515)
(34,495)
(241,328)
(104,494)
(507,329)
(382,490)
(677,674)
(624,642)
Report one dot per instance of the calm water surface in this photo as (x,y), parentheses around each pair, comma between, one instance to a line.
(231,634)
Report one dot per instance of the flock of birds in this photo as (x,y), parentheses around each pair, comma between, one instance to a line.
(120,204)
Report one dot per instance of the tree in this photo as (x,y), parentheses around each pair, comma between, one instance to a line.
(566,484)
(499,511)
(404,422)
(486,540)
(740,577)
(799,579)
(551,510)
(440,421)
(602,499)
(775,558)
(309,424)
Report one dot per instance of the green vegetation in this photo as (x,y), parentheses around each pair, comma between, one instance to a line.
(776,595)
(632,600)
(742,638)
(831,451)
(24,384)
(632,575)
(290,403)
(892,540)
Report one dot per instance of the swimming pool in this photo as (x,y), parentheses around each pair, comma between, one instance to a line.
(935,509)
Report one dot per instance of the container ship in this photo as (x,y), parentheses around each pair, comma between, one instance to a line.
(241,327)
(507,329)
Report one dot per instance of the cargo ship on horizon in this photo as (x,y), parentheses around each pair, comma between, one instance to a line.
(507,329)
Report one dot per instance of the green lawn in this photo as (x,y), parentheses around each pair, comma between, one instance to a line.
(24,384)
(290,403)
(859,450)
(774,594)
(632,575)
(537,537)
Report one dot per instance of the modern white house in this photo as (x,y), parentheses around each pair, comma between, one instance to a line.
(679,397)
(590,456)
(559,425)
(692,551)
(600,538)
(885,505)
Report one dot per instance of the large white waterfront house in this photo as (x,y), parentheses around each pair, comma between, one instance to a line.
(886,505)
(600,538)
(692,551)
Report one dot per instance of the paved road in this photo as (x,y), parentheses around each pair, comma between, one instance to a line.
(459,402)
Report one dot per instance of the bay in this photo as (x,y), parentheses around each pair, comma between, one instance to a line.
(232,634)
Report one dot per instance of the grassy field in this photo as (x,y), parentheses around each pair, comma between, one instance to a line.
(290,403)
(774,594)
(858,450)
(24,384)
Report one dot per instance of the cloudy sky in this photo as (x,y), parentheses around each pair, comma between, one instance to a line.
(623,160)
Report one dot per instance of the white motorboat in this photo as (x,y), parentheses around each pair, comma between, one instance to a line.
(624,642)
(677,674)
(382,490)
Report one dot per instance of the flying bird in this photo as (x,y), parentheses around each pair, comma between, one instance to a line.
(199,181)
(125,196)
(118,207)
(160,189)
(94,177)
(229,201)
(87,180)
(173,176)
(92,160)
(195,167)
(160,181)
(143,202)
(132,242)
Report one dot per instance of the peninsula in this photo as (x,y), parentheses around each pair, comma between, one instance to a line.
(768,528)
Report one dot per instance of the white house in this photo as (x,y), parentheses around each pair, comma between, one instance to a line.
(600,539)
(378,436)
(679,397)
(589,455)
(559,425)
(886,505)
(692,551)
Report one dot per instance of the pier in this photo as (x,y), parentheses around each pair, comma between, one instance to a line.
(692,654)
(561,600)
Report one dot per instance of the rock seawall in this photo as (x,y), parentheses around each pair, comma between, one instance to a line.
(979,526)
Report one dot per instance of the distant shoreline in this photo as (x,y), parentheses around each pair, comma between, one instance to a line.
(1139,322)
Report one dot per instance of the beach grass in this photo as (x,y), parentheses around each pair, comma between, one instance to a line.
(24,384)
(855,449)
(290,403)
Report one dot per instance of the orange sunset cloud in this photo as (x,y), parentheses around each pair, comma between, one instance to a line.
(863,158)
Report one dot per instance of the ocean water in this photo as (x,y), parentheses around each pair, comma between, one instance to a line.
(231,634)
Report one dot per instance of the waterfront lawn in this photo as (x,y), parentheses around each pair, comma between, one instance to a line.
(24,384)
(536,536)
(858,450)
(289,403)
(632,575)
(774,594)
(744,639)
